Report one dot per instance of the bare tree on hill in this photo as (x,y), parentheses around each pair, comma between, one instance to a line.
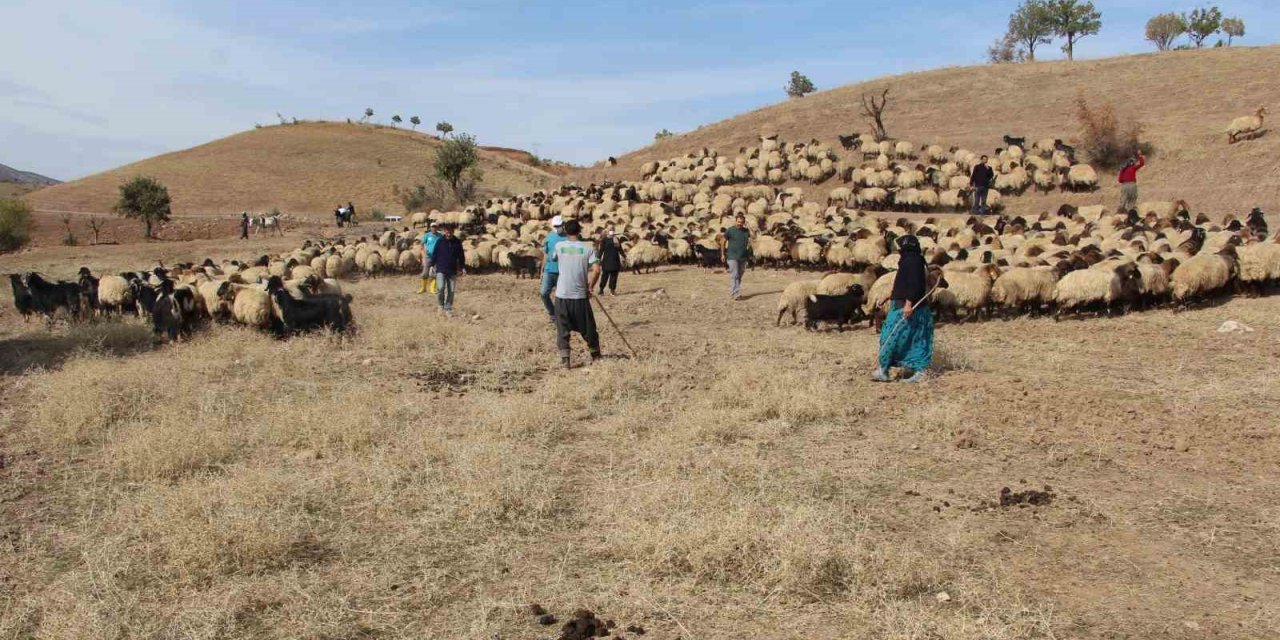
(874,112)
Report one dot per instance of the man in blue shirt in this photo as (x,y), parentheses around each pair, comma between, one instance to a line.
(428,245)
(551,269)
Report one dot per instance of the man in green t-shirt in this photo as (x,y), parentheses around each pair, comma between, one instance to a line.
(735,249)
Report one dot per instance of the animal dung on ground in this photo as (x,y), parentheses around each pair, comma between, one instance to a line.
(1032,497)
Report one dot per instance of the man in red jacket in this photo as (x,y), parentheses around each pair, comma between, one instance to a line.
(1129,182)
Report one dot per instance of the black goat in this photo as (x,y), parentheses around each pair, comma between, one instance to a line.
(524,265)
(22,300)
(144,296)
(317,312)
(47,297)
(174,311)
(851,141)
(88,290)
(1256,223)
(841,309)
(1015,141)
(707,258)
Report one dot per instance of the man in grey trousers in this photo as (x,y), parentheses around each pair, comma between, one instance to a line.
(579,270)
(735,250)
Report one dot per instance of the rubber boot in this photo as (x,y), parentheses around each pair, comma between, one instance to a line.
(434,287)
(423,288)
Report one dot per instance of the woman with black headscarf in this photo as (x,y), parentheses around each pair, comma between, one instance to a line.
(906,338)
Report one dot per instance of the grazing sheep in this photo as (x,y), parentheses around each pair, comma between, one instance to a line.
(793,299)
(1259,265)
(1081,177)
(972,290)
(251,306)
(1096,288)
(1025,289)
(1246,126)
(114,295)
(1203,275)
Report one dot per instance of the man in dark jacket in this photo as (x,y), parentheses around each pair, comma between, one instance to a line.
(610,251)
(449,261)
(244,225)
(980,181)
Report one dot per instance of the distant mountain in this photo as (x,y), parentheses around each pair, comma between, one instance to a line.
(9,174)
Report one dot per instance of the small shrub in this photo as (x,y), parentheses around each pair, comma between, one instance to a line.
(377,215)
(69,240)
(1104,138)
(663,135)
(15,224)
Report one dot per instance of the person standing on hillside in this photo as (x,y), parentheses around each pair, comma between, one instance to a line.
(980,182)
(429,240)
(449,261)
(244,225)
(735,249)
(551,269)
(611,256)
(351,213)
(579,269)
(1129,182)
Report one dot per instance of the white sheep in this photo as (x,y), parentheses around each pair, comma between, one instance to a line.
(971,291)
(1202,275)
(1081,177)
(793,298)
(1084,287)
(1025,288)
(1246,125)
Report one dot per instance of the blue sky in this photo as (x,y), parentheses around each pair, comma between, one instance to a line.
(93,84)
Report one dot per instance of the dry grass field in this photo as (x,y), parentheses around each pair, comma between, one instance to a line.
(1185,99)
(306,170)
(432,477)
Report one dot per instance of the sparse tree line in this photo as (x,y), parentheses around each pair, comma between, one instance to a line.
(1198,25)
(1040,22)
(443,127)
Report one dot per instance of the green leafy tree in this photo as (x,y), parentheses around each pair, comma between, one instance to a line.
(144,198)
(395,120)
(415,121)
(1031,26)
(1202,23)
(1164,29)
(444,128)
(15,224)
(1234,28)
(457,164)
(800,85)
(663,135)
(368,113)
(1073,19)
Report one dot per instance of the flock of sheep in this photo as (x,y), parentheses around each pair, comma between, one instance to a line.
(1075,260)
(280,297)
(881,175)
(1084,258)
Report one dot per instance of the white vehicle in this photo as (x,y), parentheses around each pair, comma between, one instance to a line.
(393,218)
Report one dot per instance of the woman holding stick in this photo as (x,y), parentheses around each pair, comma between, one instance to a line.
(906,339)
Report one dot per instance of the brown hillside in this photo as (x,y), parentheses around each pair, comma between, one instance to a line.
(1185,99)
(524,157)
(304,169)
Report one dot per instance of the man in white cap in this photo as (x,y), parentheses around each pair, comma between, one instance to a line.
(429,240)
(550,268)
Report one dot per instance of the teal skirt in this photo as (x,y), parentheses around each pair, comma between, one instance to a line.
(907,343)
